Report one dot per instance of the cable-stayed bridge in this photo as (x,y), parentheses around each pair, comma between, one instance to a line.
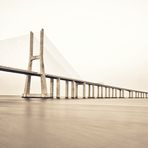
(90,89)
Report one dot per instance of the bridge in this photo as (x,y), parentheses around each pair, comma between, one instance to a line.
(103,91)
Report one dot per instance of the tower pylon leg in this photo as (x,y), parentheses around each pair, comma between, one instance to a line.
(42,69)
(28,77)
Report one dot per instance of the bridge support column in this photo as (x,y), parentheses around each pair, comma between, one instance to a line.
(76,90)
(105,92)
(72,89)
(109,92)
(101,92)
(112,93)
(66,89)
(93,91)
(115,93)
(58,89)
(135,94)
(140,95)
(51,87)
(89,90)
(120,93)
(129,94)
(84,88)
(98,93)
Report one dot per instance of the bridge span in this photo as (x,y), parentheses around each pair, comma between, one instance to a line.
(89,88)
(103,91)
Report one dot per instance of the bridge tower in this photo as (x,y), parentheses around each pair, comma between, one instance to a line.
(32,57)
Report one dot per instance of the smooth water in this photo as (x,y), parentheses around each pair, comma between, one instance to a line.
(79,123)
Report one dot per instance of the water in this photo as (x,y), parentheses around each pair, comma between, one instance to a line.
(90,123)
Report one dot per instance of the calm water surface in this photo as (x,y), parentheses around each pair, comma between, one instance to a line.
(80,123)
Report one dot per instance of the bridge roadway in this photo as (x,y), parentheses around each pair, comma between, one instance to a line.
(26,72)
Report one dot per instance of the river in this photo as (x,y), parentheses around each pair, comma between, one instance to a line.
(77,123)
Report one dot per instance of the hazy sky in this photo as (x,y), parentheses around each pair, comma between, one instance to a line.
(104,40)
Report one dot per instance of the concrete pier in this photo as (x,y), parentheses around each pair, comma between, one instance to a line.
(76,90)
(84,90)
(129,94)
(72,89)
(66,89)
(109,92)
(105,92)
(98,91)
(102,92)
(89,89)
(112,93)
(115,93)
(93,91)
(51,88)
(135,94)
(58,89)
(120,93)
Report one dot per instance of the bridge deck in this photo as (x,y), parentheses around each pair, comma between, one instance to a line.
(26,72)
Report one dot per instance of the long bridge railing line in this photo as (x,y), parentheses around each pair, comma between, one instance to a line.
(103,91)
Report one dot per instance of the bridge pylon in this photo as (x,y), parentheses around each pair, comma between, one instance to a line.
(33,57)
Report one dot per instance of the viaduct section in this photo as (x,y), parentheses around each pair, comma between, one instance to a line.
(90,89)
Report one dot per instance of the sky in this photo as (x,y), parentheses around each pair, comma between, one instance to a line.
(104,40)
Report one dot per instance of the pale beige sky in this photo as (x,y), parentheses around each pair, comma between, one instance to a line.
(104,40)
